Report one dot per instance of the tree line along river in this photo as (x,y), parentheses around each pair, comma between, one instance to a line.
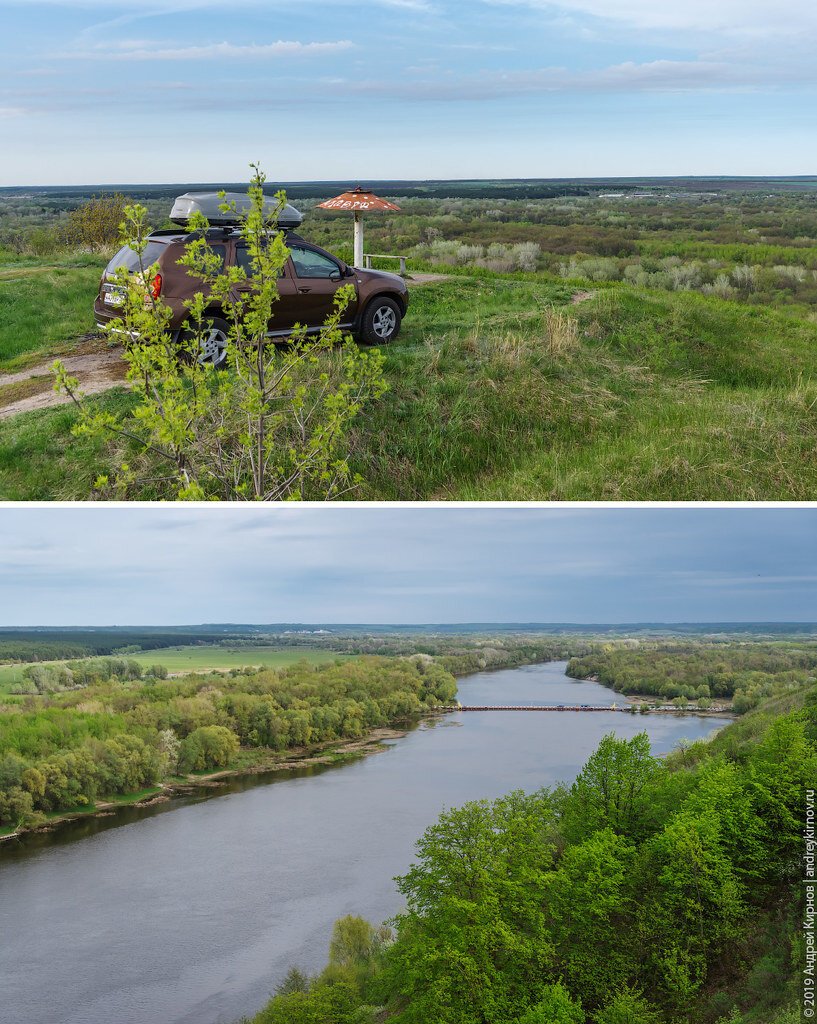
(190,912)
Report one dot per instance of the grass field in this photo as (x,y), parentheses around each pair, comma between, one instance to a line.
(658,396)
(501,388)
(11,674)
(203,659)
(44,304)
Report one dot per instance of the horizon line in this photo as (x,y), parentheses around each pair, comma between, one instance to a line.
(492,622)
(334,181)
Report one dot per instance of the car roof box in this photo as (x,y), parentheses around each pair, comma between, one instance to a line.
(208,203)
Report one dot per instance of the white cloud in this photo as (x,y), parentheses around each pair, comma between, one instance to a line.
(392,563)
(165,7)
(412,5)
(657,76)
(738,17)
(253,51)
(749,579)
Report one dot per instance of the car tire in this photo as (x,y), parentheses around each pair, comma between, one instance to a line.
(213,343)
(381,321)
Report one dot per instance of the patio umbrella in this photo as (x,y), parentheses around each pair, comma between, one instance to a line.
(358,200)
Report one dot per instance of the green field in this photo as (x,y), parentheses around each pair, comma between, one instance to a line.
(202,659)
(11,674)
(45,303)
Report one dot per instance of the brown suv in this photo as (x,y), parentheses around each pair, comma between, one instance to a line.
(306,287)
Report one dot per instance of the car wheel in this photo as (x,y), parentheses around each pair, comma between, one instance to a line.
(381,321)
(212,343)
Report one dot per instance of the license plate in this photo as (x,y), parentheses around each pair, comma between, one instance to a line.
(113,298)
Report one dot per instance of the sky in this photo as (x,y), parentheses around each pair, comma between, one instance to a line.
(137,91)
(184,565)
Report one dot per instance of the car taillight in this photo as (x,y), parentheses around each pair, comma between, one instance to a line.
(156,286)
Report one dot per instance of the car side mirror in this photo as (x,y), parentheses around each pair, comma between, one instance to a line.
(334,275)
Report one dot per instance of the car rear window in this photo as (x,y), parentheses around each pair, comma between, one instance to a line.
(129,259)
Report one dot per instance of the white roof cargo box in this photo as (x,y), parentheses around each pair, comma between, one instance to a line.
(208,203)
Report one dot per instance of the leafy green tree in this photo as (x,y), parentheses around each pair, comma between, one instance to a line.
(17,807)
(722,790)
(555,1006)
(609,792)
(782,766)
(353,941)
(627,1007)
(588,903)
(691,902)
(169,747)
(210,746)
(472,944)
(294,981)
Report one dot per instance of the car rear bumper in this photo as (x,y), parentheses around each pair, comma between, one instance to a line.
(112,325)
(104,318)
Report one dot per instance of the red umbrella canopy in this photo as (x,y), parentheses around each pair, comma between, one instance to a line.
(358,199)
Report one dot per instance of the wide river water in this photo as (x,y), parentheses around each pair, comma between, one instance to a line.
(190,912)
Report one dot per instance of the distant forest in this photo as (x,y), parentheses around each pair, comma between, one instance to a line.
(499,188)
(68,642)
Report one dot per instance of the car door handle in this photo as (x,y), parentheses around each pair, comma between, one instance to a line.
(304,289)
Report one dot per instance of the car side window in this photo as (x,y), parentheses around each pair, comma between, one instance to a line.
(308,263)
(221,252)
(244,260)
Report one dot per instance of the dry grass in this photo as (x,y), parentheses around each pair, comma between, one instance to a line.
(562,330)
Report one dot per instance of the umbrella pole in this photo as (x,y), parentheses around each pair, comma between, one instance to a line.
(358,240)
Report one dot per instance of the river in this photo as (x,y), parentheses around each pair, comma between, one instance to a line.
(190,912)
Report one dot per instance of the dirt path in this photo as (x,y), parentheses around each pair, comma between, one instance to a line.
(417,279)
(96,370)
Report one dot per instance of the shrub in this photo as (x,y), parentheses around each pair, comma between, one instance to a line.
(43,241)
(469,253)
(525,256)
(96,225)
